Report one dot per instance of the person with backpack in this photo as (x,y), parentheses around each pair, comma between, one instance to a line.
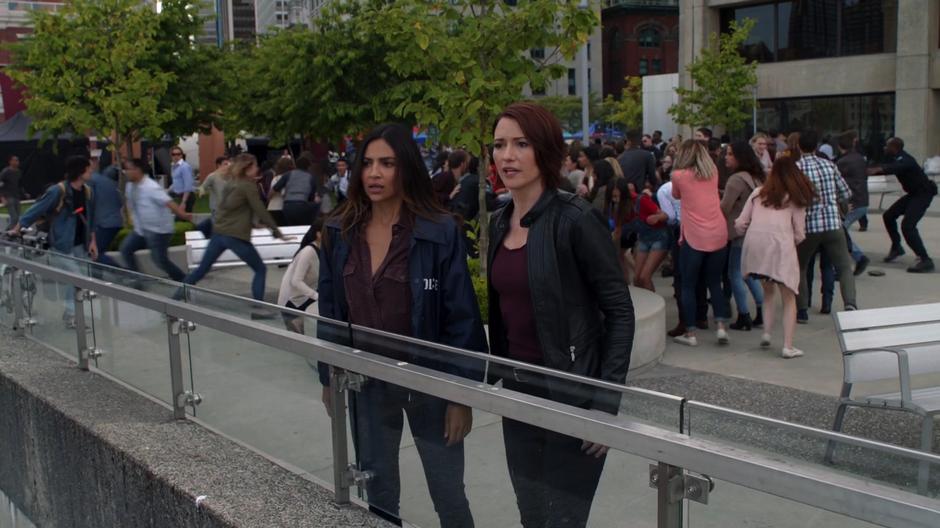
(68,209)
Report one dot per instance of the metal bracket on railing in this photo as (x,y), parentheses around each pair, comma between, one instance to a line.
(189,399)
(180,327)
(353,476)
(350,381)
(683,485)
(94,353)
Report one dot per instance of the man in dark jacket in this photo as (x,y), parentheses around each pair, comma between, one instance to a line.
(638,165)
(852,167)
(919,192)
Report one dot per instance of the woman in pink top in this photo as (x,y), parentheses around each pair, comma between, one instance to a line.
(774,220)
(703,235)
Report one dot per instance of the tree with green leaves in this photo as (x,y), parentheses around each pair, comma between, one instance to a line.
(722,83)
(87,68)
(567,108)
(462,61)
(628,110)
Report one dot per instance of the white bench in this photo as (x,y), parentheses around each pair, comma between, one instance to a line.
(883,184)
(891,344)
(272,250)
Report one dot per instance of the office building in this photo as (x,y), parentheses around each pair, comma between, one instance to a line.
(640,37)
(872,66)
(234,19)
(281,14)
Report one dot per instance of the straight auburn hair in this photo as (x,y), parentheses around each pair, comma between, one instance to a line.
(412,180)
(787,185)
(693,154)
(542,129)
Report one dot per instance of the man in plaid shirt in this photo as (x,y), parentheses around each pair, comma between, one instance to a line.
(824,224)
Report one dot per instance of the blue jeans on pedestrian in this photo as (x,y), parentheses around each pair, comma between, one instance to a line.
(67,291)
(103,238)
(158,244)
(243,250)
(205,227)
(854,216)
(377,416)
(740,284)
(691,263)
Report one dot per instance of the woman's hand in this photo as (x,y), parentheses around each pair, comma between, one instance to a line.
(595,450)
(457,423)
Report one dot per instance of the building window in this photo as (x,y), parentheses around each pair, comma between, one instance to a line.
(657,66)
(537,53)
(572,81)
(644,67)
(650,37)
(809,29)
(614,43)
(871,116)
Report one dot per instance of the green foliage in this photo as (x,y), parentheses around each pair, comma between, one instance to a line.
(628,110)
(480,287)
(178,238)
(723,82)
(115,67)
(567,108)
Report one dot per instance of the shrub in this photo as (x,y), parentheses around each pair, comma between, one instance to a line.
(480,287)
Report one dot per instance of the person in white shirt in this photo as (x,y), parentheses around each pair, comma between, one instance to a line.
(298,286)
(152,212)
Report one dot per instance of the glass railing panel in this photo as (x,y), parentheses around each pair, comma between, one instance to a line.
(51,314)
(502,472)
(885,464)
(234,305)
(733,505)
(266,397)
(133,345)
(653,408)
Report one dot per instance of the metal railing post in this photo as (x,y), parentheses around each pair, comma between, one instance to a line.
(81,336)
(176,368)
(341,483)
(19,318)
(668,481)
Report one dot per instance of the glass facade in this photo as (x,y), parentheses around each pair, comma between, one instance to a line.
(870,115)
(811,29)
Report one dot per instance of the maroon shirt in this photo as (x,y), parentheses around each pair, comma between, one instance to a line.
(381,301)
(511,281)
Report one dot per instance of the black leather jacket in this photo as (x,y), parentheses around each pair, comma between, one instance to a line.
(583,312)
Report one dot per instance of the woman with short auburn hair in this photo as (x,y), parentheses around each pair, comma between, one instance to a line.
(557,299)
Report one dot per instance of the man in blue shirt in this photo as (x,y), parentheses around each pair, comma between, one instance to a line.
(69,209)
(109,203)
(183,187)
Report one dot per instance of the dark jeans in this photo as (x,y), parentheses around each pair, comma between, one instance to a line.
(377,414)
(912,207)
(701,296)
(828,272)
(691,263)
(13,209)
(158,244)
(205,227)
(833,245)
(103,237)
(299,213)
(553,478)
(243,250)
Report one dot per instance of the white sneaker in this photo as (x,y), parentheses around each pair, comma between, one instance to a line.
(765,341)
(686,340)
(722,336)
(790,353)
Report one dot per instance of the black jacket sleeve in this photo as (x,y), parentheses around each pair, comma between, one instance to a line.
(597,260)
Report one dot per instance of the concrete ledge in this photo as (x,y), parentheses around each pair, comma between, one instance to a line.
(649,339)
(79,450)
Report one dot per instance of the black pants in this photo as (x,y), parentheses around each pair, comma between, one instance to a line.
(553,478)
(299,213)
(190,201)
(912,207)
(701,296)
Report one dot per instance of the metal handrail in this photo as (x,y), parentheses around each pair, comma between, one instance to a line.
(814,486)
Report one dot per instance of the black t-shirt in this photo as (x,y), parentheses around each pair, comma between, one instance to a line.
(78,209)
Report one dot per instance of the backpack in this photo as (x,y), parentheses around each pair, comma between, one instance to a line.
(45,222)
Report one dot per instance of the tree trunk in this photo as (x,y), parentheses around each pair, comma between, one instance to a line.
(483,237)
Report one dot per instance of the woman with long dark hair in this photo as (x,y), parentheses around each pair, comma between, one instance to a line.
(394,260)
(747,175)
(541,238)
(773,222)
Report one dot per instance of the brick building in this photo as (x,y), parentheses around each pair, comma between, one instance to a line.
(640,37)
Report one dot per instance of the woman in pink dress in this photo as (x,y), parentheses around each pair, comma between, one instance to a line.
(703,235)
(773,222)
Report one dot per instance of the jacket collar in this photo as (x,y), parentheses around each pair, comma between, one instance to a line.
(540,206)
(423,229)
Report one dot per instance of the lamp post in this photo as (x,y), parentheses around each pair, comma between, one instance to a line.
(585,85)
